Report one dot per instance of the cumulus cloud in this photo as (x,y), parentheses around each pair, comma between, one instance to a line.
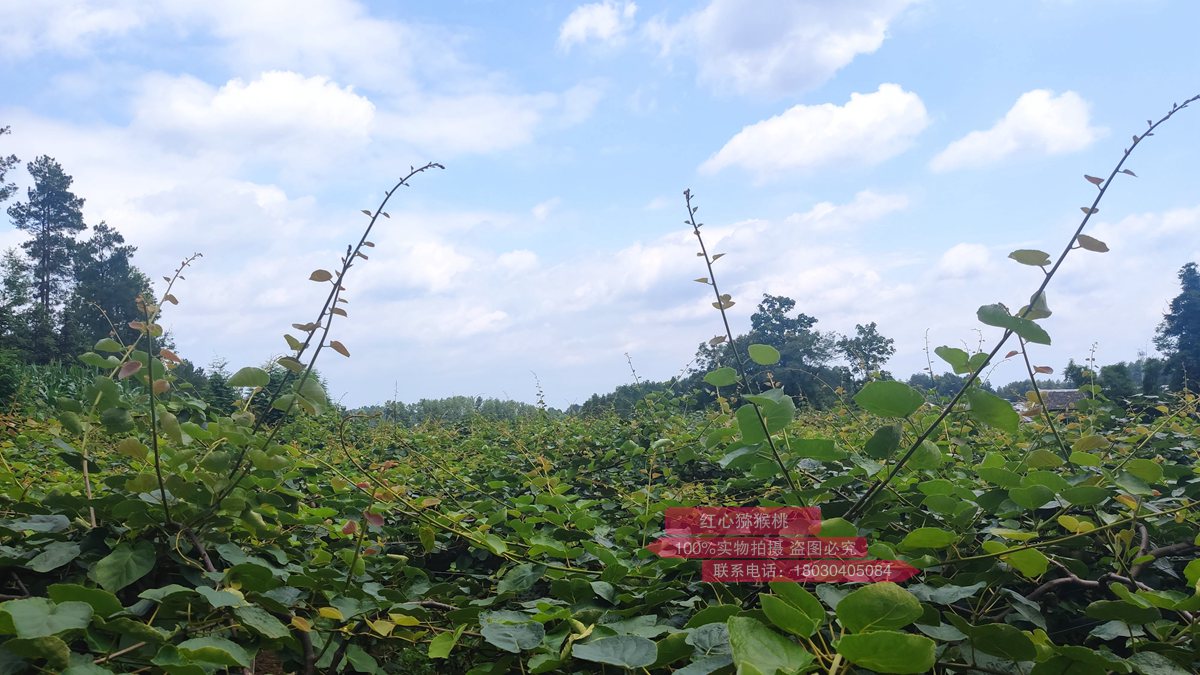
(963,261)
(867,130)
(866,207)
(542,210)
(606,22)
(277,107)
(739,46)
(1039,123)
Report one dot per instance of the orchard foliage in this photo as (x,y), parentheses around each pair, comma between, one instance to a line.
(144,530)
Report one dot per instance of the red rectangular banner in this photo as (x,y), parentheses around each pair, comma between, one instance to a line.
(745,520)
(759,547)
(829,571)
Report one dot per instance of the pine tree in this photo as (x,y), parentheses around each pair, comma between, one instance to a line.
(104,298)
(1178,335)
(53,215)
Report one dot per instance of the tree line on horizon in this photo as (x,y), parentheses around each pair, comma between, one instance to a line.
(68,285)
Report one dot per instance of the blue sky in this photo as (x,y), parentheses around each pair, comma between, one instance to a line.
(875,160)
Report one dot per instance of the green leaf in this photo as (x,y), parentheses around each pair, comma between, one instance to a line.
(520,578)
(441,645)
(992,410)
(55,555)
(1085,495)
(927,456)
(38,617)
(883,442)
(1040,309)
(1153,663)
(1089,443)
(797,596)
(1031,497)
(511,631)
(104,603)
(249,377)
(1001,639)
(838,527)
(758,649)
(788,617)
(889,399)
(56,652)
(997,315)
(626,651)
(1091,244)
(108,345)
(1145,469)
(956,357)
(889,651)
(928,537)
(1031,257)
(116,420)
(1119,610)
(820,449)
(215,650)
(125,565)
(763,355)
(1030,562)
(722,377)
(879,606)
(262,622)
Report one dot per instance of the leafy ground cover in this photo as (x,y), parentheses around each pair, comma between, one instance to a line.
(143,530)
(519,547)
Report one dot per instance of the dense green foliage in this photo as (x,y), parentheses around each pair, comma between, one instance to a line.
(155,518)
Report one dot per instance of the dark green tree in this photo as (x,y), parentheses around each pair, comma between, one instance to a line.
(1178,335)
(803,368)
(14,302)
(7,189)
(1076,375)
(1116,381)
(104,299)
(52,215)
(867,351)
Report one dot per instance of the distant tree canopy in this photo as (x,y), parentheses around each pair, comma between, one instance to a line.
(1178,335)
(62,293)
(452,410)
(807,368)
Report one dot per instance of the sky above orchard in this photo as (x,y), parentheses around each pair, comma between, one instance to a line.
(875,160)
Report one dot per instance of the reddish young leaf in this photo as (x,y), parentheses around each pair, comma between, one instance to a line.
(370,244)
(338,310)
(129,368)
(350,527)
(1011,354)
(339,348)
(320,275)
(1045,370)
(373,518)
(1093,179)
(161,387)
(1127,171)
(168,355)
(366,211)
(1089,211)
(171,299)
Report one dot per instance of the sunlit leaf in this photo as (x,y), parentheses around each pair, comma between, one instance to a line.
(1031,257)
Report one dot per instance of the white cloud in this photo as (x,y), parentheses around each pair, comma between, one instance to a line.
(606,22)
(277,110)
(1039,123)
(792,47)
(66,26)
(542,210)
(518,261)
(964,261)
(867,130)
(866,207)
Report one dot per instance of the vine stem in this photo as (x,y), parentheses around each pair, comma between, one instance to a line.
(865,500)
(325,319)
(741,363)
